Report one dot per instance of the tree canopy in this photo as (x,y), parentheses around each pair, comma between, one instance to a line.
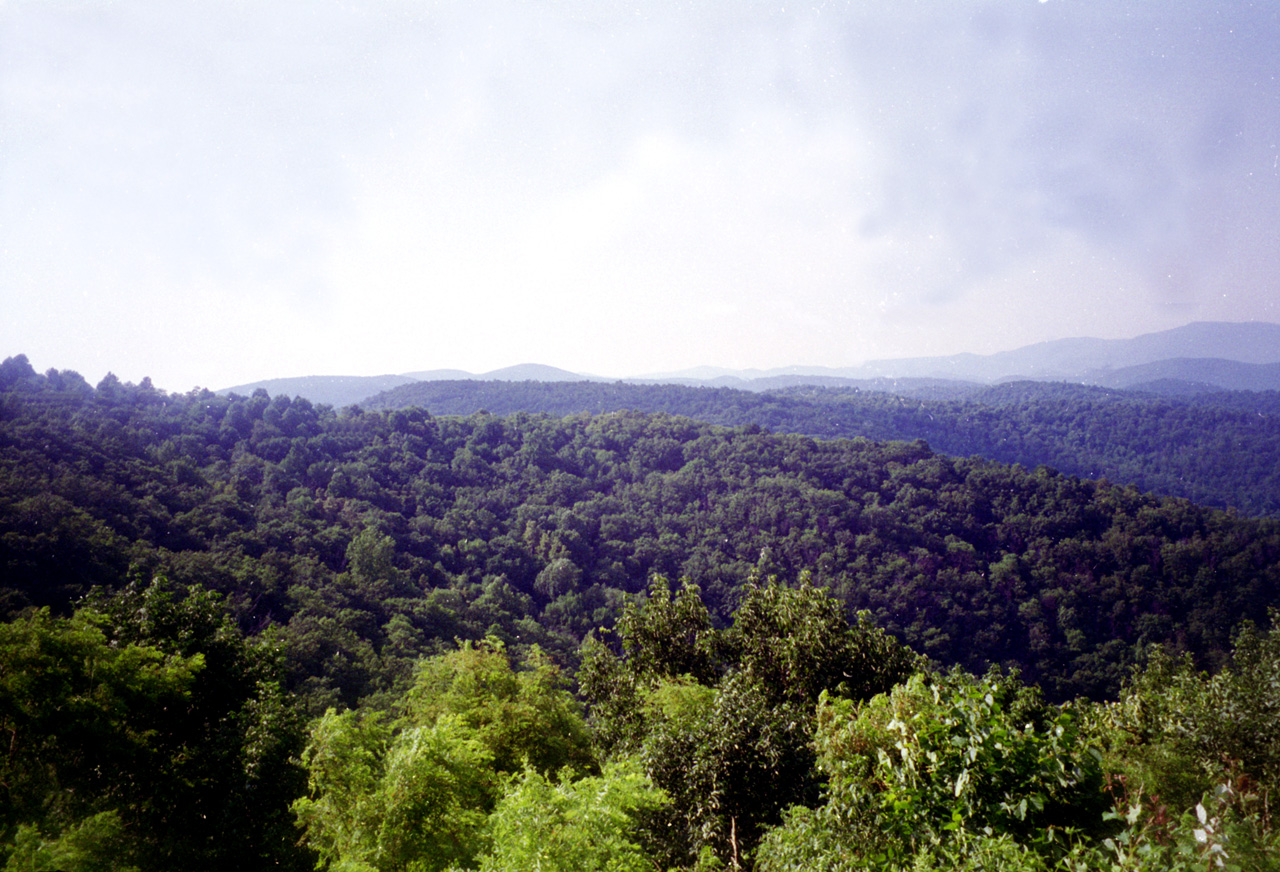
(253,632)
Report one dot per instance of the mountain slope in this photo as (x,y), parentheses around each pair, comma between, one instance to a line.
(1077,359)
(1220,449)
(1214,372)
(369,538)
(334,390)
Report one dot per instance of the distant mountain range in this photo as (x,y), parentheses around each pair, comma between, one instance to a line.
(1197,357)
(347,390)
(521,372)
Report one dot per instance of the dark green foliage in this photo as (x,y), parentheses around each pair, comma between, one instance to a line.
(1183,732)
(75,714)
(729,760)
(670,635)
(228,770)
(1220,448)
(721,719)
(957,772)
(795,643)
(372,539)
(147,718)
(357,549)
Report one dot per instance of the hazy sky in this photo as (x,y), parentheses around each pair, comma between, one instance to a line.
(210,193)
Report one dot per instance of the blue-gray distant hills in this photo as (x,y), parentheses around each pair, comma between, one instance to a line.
(1114,362)
(347,390)
(1224,355)
(1191,412)
(1197,357)
(335,390)
(520,372)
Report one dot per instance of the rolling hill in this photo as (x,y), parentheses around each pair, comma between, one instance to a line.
(1222,355)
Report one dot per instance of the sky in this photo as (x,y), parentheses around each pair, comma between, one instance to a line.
(214,192)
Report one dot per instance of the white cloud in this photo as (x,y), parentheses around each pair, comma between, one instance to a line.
(296,187)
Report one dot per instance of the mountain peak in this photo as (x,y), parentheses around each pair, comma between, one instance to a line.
(534,372)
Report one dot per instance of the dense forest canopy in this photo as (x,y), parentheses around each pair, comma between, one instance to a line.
(370,538)
(1218,448)
(748,615)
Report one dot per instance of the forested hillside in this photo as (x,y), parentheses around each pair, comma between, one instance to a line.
(188,578)
(1215,448)
(373,537)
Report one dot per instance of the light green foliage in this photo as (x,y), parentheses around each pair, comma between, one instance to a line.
(417,800)
(436,791)
(416,794)
(588,825)
(937,759)
(680,702)
(344,760)
(521,716)
(96,844)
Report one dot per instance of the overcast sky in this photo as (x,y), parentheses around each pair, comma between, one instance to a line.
(210,193)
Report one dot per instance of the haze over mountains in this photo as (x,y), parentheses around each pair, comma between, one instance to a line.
(1199,356)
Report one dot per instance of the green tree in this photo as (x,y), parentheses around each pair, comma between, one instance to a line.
(148,707)
(99,843)
(524,717)
(662,636)
(795,642)
(226,773)
(1196,757)
(417,800)
(730,758)
(722,719)
(563,825)
(415,793)
(80,717)
(1187,730)
(939,759)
